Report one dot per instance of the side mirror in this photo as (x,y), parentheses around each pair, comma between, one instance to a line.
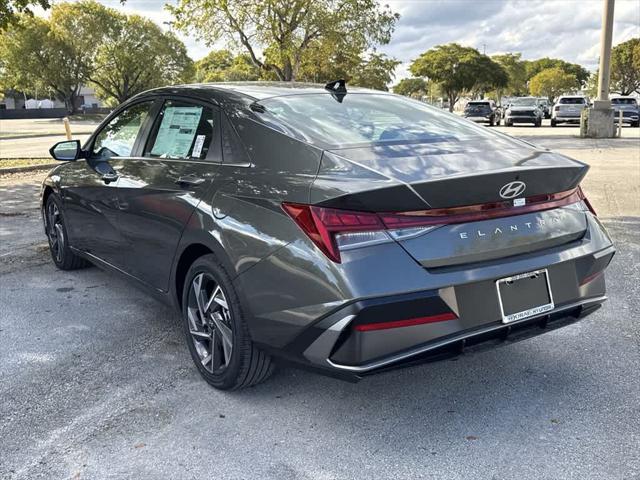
(67,151)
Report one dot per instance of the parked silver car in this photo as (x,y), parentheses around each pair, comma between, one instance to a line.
(568,109)
(629,108)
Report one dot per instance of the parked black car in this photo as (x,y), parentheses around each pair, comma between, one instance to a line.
(345,231)
(483,111)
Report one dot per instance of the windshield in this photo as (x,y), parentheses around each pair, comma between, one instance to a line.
(478,104)
(364,119)
(572,101)
(525,101)
(624,101)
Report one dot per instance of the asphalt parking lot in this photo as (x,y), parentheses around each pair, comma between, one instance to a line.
(96,380)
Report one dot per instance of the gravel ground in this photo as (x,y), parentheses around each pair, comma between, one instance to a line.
(96,382)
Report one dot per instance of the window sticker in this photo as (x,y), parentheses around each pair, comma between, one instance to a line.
(176,132)
(197,147)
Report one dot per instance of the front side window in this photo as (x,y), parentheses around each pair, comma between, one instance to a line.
(182,130)
(117,138)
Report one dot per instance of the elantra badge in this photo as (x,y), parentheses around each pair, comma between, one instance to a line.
(512,190)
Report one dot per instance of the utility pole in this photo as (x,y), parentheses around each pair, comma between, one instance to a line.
(597,122)
(605,52)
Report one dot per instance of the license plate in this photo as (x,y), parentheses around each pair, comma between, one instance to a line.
(524,295)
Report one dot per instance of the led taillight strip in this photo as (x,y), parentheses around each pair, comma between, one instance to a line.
(484,211)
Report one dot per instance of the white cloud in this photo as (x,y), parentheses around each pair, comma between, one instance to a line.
(567,29)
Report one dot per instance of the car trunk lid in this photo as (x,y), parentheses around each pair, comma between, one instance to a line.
(457,190)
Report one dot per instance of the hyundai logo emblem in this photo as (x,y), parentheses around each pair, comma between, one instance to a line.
(512,189)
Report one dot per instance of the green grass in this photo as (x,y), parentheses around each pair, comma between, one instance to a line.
(23,162)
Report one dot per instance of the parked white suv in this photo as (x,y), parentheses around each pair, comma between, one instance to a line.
(568,109)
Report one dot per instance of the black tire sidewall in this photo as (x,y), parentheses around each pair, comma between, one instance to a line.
(228,378)
(66,252)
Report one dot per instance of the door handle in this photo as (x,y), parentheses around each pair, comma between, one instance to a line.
(109,177)
(189,180)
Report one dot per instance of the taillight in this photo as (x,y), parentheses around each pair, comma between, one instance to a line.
(333,230)
(329,228)
(586,201)
(556,108)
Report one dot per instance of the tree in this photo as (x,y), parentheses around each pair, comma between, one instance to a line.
(10,10)
(374,72)
(223,66)
(412,87)
(285,31)
(516,71)
(85,42)
(457,69)
(136,56)
(536,66)
(33,57)
(551,83)
(625,67)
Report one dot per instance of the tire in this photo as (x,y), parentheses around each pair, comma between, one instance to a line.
(553,123)
(236,362)
(635,124)
(56,230)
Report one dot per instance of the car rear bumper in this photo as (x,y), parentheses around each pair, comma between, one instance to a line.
(567,119)
(465,315)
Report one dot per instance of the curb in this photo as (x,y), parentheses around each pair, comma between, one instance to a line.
(28,168)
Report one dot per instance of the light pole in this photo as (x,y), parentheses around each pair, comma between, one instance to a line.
(597,122)
(605,55)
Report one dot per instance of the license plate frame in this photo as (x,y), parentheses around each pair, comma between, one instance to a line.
(533,310)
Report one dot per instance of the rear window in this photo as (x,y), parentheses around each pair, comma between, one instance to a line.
(624,101)
(478,104)
(572,101)
(364,119)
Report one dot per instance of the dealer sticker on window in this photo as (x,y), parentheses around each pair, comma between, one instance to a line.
(197,146)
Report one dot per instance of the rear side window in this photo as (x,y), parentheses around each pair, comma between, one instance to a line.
(181,131)
(572,101)
(117,138)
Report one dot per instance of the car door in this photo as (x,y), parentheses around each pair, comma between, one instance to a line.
(159,188)
(90,186)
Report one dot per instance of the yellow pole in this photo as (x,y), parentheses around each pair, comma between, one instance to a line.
(67,127)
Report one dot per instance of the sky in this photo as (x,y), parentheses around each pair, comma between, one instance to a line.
(567,29)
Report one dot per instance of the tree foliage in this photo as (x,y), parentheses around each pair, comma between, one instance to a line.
(412,87)
(551,83)
(516,72)
(533,67)
(85,42)
(287,31)
(224,66)
(625,67)
(457,69)
(10,10)
(376,72)
(33,58)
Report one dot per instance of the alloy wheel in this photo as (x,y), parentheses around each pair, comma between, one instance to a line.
(55,232)
(210,323)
